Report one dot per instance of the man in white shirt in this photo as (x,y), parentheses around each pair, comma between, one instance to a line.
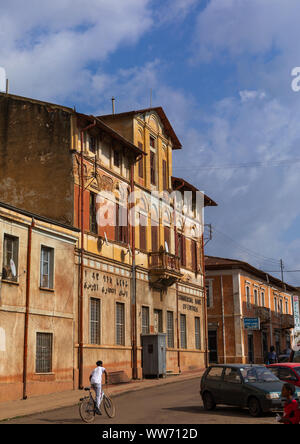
(96,382)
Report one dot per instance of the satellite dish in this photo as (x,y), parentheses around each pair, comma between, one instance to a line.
(2,80)
(13,268)
(166,247)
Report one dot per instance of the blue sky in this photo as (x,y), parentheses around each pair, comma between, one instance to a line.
(222,71)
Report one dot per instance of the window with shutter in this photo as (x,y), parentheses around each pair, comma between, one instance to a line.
(183,331)
(141,163)
(145,321)
(165,176)
(143,232)
(152,168)
(10,257)
(154,237)
(194,256)
(181,242)
(197,334)
(170,329)
(95,321)
(167,232)
(120,324)
(121,229)
(93,214)
(47,267)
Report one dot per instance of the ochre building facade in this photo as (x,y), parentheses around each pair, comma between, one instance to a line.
(138,260)
(248,312)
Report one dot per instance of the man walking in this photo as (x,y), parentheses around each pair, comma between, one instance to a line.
(96,383)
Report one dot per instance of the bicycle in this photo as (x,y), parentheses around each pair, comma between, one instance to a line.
(88,408)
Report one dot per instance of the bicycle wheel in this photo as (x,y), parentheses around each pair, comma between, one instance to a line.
(109,406)
(87,410)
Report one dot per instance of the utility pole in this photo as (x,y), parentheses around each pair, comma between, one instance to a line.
(281,268)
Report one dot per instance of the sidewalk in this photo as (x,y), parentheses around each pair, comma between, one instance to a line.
(38,404)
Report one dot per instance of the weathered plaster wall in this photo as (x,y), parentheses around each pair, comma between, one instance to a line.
(35,158)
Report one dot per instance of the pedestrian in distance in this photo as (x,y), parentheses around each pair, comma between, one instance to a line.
(96,383)
(272,356)
(291,406)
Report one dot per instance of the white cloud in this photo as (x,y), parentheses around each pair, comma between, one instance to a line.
(47,46)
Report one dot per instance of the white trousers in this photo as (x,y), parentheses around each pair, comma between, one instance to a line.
(98,390)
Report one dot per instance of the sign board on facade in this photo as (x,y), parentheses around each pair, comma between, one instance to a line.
(251,323)
(296,313)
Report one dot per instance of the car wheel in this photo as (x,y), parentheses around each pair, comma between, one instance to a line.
(254,407)
(208,401)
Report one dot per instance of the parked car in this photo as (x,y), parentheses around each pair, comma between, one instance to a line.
(247,386)
(287,372)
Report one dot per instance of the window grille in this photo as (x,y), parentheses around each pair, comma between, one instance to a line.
(170,329)
(44,352)
(158,320)
(120,324)
(145,321)
(95,324)
(197,334)
(183,331)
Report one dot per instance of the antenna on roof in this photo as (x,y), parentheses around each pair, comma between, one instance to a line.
(113,104)
(151,98)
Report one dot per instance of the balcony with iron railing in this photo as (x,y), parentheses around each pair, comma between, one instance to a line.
(287,321)
(164,269)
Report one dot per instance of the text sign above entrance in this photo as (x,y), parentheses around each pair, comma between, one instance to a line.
(251,323)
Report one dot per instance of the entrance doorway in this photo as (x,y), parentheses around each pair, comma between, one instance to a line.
(250,348)
(213,346)
(265,347)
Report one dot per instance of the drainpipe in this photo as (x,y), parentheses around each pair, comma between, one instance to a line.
(133,284)
(80,358)
(205,303)
(177,295)
(223,321)
(28,271)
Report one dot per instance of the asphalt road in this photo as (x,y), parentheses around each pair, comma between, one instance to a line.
(176,403)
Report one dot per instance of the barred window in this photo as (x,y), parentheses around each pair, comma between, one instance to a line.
(47,267)
(170,329)
(183,331)
(197,334)
(95,325)
(145,321)
(44,352)
(158,321)
(120,323)
(10,258)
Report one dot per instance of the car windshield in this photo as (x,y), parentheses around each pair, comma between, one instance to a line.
(297,370)
(258,374)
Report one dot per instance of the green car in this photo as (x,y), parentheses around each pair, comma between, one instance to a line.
(247,386)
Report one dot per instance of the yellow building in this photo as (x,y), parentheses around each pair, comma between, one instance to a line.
(139,257)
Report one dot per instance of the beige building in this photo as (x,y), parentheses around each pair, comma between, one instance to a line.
(37,303)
